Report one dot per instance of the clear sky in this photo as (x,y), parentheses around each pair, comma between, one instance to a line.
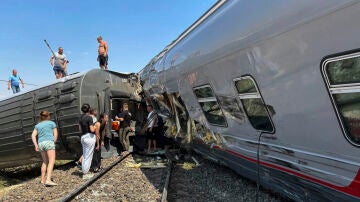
(136,30)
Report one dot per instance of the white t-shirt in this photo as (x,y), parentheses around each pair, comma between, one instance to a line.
(152,119)
(59,60)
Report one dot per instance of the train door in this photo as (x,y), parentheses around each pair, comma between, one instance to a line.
(112,106)
(213,116)
(257,112)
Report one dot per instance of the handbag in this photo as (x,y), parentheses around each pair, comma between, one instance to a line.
(143,129)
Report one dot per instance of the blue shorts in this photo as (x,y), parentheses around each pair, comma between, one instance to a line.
(15,89)
(58,70)
(46,145)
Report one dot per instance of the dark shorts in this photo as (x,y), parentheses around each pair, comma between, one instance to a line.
(151,135)
(58,70)
(103,60)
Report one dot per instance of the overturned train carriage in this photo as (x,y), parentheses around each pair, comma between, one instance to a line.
(103,90)
(274,96)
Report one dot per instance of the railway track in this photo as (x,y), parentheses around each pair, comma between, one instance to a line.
(81,188)
(157,179)
(89,190)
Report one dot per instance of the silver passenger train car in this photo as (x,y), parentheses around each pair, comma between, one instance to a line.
(272,90)
(103,90)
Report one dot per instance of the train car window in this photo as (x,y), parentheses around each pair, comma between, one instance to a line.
(204,92)
(210,106)
(253,104)
(346,71)
(245,86)
(342,76)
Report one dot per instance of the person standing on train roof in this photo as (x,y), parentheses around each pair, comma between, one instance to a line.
(103,53)
(14,82)
(44,137)
(59,62)
(87,129)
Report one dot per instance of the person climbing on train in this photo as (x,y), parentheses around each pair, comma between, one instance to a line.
(87,129)
(100,127)
(44,136)
(125,120)
(14,82)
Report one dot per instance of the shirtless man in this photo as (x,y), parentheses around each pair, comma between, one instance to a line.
(103,53)
(59,65)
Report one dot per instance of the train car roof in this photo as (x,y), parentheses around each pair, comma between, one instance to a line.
(64,79)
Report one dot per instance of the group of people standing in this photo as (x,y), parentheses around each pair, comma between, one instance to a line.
(151,126)
(59,63)
(92,138)
(45,135)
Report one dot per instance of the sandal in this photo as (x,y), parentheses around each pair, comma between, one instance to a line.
(50,184)
(78,164)
(98,170)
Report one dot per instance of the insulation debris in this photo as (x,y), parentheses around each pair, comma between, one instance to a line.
(188,166)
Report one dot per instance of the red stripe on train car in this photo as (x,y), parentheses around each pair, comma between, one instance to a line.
(352,189)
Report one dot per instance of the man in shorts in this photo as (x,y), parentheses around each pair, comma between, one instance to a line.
(59,61)
(103,53)
(14,82)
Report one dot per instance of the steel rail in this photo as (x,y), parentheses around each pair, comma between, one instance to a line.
(165,190)
(80,189)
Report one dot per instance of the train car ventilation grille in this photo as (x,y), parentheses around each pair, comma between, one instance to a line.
(67,98)
(43,95)
(69,86)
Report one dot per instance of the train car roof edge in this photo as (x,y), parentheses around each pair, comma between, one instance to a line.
(62,80)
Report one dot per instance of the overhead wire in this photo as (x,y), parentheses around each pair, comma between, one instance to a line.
(30,84)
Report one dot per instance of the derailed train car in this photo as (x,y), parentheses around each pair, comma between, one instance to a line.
(103,90)
(270,89)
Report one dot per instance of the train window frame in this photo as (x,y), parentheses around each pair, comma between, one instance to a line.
(253,95)
(337,90)
(207,100)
